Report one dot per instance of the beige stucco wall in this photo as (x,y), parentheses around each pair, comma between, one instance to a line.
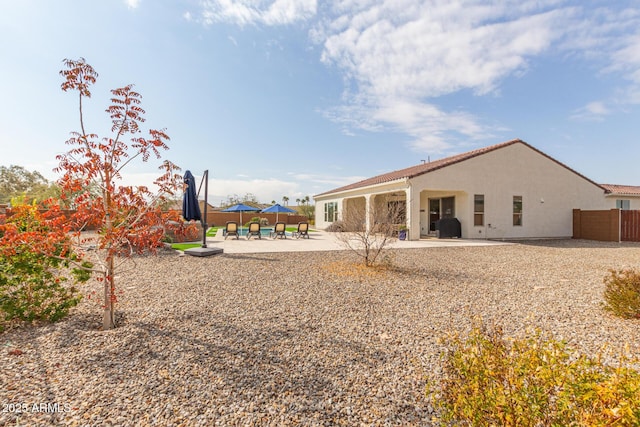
(634,201)
(549,193)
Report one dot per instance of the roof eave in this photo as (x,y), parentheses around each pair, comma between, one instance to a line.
(362,189)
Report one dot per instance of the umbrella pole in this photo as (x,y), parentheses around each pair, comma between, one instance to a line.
(206,202)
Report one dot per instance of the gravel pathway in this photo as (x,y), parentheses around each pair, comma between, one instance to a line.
(297,338)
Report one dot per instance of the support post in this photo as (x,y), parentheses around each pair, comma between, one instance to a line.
(206,202)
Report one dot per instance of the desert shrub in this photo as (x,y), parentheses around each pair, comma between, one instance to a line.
(622,293)
(178,231)
(35,263)
(335,227)
(488,379)
(31,290)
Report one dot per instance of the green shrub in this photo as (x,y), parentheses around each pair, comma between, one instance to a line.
(32,283)
(622,293)
(32,287)
(535,381)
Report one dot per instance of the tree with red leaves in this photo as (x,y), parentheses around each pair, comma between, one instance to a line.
(128,219)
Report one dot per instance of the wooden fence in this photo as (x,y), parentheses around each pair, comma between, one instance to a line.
(613,225)
(630,226)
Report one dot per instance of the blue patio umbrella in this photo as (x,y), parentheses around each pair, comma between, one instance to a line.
(240,207)
(277,208)
(190,205)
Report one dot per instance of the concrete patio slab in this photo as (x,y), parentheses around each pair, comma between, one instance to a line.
(324,241)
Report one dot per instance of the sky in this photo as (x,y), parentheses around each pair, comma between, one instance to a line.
(297,97)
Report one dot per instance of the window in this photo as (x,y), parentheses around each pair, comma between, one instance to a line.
(331,211)
(517,210)
(478,209)
(624,205)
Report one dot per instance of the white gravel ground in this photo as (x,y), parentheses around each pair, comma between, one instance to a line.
(297,338)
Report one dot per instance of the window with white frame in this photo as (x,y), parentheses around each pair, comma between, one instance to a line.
(478,209)
(331,211)
(623,204)
(517,210)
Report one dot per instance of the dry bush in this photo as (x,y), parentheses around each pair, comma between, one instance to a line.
(622,293)
(488,379)
(370,243)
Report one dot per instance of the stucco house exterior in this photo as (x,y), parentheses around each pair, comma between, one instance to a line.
(509,190)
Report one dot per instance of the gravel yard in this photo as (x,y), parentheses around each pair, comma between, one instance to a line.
(297,338)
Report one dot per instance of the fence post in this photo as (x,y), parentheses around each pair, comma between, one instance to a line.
(577,224)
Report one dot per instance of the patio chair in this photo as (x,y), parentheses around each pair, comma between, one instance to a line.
(303,230)
(254,230)
(231,229)
(279,230)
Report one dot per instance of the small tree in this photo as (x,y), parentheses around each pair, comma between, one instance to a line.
(369,243)
(128,218)
(306,208)
(248,198)
(16,181)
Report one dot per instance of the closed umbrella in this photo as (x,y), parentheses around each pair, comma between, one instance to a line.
(191,211)
(190,205)
(240,207)
(277,208)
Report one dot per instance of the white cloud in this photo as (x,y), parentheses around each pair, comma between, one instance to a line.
(627,58)
(266,12)
(132,4)
(400,56)
(610,39)
(593,111)
(434,51)
(431,129)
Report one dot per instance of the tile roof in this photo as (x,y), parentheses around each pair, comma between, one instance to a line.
(423,168)
(631,190)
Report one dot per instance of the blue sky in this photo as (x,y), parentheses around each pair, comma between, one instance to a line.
(293,98)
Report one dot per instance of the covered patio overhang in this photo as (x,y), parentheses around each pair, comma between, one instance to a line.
(371,211)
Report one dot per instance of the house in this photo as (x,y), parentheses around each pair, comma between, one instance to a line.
(624,197)
(505,191)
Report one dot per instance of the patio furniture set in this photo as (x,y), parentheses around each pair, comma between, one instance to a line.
(279,230)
